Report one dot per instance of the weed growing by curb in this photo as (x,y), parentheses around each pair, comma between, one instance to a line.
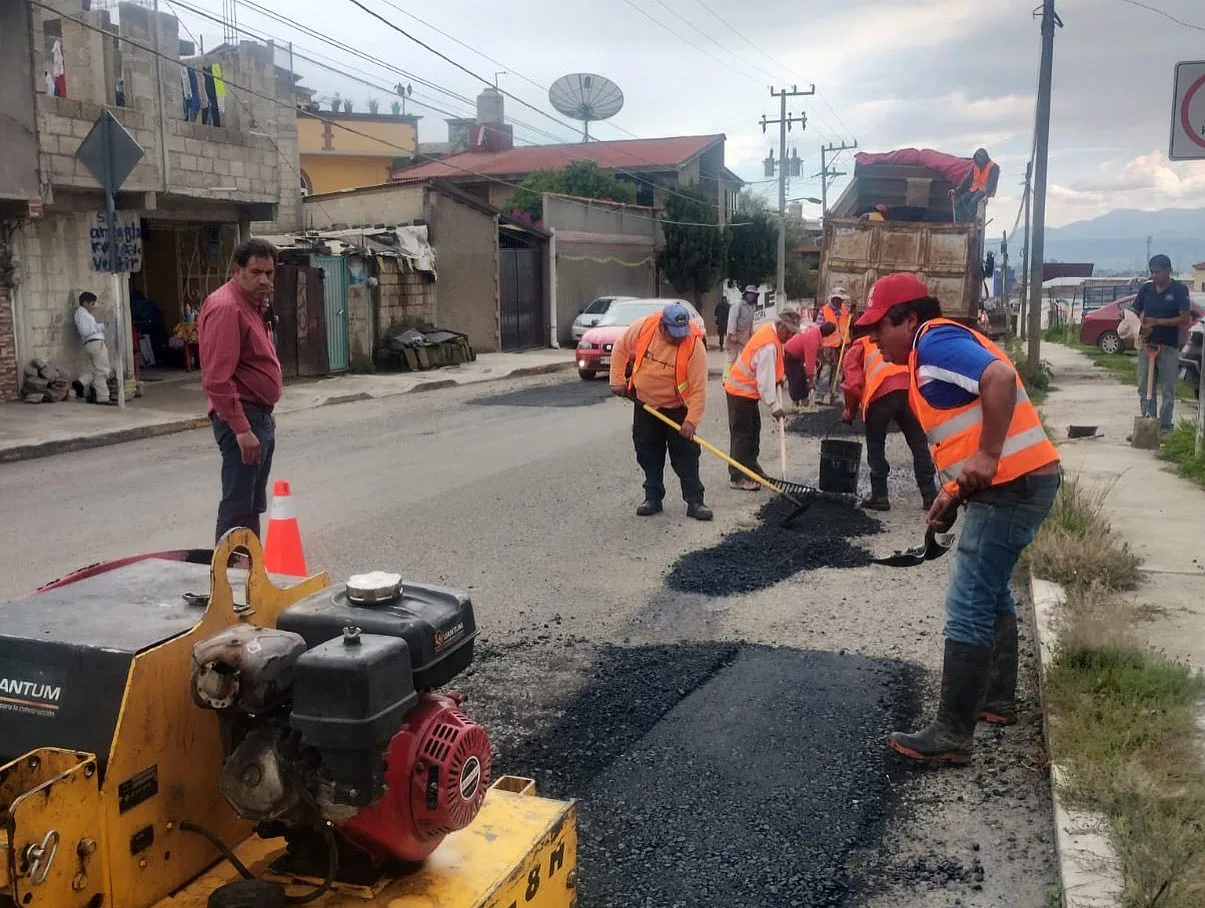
(1076,546)
(1179,447)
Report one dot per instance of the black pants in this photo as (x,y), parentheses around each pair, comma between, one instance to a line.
(797,378)
(744,432)
(244,488)
(652,438)
(882,412)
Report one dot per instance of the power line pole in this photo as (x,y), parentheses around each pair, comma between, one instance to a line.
(1148,248)
(1004,274)
(825,173)
(784,122)
(1022,324)
(1041,154)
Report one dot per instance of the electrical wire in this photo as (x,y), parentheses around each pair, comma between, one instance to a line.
(335,124)
(1165,14)
(689,43)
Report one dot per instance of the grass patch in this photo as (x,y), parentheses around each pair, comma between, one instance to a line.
(1036,381)
(1179,448)
(1124,365)
(1076,546)
(1122,717)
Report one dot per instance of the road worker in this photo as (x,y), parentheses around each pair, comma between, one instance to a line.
(979,183)
(662,361)
(879,390)
(755,378)
(992,454)
(836,311)
(802,353)
(740,323)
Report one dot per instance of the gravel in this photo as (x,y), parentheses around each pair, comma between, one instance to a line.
(754,559)
(567,394)
(823,422)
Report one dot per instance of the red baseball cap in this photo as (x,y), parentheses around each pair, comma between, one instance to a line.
(891,291)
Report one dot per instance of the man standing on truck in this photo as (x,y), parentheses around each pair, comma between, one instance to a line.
(991,452)
(979,183)
(1165,308)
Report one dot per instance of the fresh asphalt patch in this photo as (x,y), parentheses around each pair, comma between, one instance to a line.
(754,559)
(713,774)
(561,394)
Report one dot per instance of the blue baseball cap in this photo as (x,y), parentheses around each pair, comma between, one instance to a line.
(676,320)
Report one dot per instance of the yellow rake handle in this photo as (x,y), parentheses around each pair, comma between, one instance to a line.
(707,446)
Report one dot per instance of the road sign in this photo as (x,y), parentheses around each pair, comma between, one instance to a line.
(109,152)
(1188,113)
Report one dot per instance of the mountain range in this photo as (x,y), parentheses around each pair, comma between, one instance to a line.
(1117,240)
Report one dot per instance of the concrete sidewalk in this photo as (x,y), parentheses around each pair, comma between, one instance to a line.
(178,403)
(1160,515)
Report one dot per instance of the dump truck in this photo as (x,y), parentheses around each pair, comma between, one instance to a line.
(918,235)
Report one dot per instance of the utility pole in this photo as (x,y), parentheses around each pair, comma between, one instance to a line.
(825,173)
(1148,248)
(1022,324)
(1004,274)
(784,123)
(1041,155)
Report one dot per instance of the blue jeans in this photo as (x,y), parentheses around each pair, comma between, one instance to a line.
(1167,377)
(998,524)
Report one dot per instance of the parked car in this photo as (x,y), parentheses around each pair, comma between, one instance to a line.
(1190,357)
(594,349)
(1099,328)
(589,316)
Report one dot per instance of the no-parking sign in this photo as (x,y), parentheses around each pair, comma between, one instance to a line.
(1188,113)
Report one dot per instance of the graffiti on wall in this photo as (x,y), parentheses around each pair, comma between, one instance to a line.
(127,243)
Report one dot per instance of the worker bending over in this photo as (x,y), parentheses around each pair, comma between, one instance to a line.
(801,355)
(755,378)
(880,390)
(990,450)
(662,361)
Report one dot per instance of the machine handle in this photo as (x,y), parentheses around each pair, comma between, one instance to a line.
(37,854)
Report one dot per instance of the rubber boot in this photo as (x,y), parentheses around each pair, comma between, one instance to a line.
(879,499)
(1000,703)
(950,738)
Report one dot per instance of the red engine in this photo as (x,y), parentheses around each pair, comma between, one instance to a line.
(438,770)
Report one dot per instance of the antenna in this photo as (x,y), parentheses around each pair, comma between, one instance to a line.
(586,97)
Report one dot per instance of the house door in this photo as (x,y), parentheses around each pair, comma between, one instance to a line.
(334,284)
(521,292)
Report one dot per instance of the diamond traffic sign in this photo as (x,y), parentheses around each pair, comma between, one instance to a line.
(1188,113)
(109,152)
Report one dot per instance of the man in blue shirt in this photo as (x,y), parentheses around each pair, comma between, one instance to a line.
(1164,307)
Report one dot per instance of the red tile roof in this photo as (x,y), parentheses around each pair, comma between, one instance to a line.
(629,154)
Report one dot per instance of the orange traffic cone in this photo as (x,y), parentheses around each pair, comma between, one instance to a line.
(282,547)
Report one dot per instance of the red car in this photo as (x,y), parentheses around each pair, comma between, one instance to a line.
(593,353)
(1099,327)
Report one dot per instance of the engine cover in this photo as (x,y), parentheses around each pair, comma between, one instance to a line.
(438,770)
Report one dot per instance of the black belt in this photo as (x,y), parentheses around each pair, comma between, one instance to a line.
(267,408)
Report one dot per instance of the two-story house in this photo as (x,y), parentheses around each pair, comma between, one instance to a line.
(218,135)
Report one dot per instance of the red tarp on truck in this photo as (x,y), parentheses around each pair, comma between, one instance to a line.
(953,168)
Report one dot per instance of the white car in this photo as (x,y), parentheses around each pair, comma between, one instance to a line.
(590,316)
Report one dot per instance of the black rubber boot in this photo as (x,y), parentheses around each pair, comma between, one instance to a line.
(1000,704)
(648,508)
(878,500)
(950,738)
(698,511)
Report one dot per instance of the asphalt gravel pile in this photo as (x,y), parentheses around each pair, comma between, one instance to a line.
(754,559)
(563,394)
(823,422)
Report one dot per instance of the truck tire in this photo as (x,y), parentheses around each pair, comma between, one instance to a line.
(1110,342)
(586,374)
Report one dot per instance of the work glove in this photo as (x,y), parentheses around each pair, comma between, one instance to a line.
(851,407)
(778,415)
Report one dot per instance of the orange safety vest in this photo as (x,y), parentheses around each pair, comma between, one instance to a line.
(686,349)
(742,377)
(979,176)
(829,314)
(876,370)
(954,434)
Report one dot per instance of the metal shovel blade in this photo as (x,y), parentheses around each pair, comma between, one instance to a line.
(936,545)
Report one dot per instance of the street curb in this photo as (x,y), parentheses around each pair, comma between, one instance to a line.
(1087,861)
(66,445)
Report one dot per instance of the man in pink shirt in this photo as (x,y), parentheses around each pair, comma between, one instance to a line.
(800,355)
(241,377)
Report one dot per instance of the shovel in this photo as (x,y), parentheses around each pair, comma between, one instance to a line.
(935,545)
(1146,428)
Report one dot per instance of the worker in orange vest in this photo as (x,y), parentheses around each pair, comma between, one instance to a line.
(991,453)
(836,311)
(662,361)
(879,390)
(755,379)
(979,183)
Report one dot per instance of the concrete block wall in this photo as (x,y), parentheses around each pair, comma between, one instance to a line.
(407,298)
(10,382)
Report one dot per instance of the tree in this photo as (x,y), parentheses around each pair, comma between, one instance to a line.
(693,256)
(583,179)
(799,280)
(753,243)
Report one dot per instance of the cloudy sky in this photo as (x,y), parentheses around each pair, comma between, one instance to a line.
(946,74)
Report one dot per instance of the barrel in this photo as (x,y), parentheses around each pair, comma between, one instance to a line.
(840,463)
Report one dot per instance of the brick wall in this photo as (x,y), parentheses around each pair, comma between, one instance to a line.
(9,369)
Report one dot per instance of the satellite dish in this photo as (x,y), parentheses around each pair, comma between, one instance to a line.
(586,97)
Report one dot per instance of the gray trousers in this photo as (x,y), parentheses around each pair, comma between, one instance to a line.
(244,488)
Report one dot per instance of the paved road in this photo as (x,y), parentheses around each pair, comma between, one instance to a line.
(624,657)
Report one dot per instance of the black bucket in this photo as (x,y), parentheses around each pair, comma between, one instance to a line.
(840,463)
